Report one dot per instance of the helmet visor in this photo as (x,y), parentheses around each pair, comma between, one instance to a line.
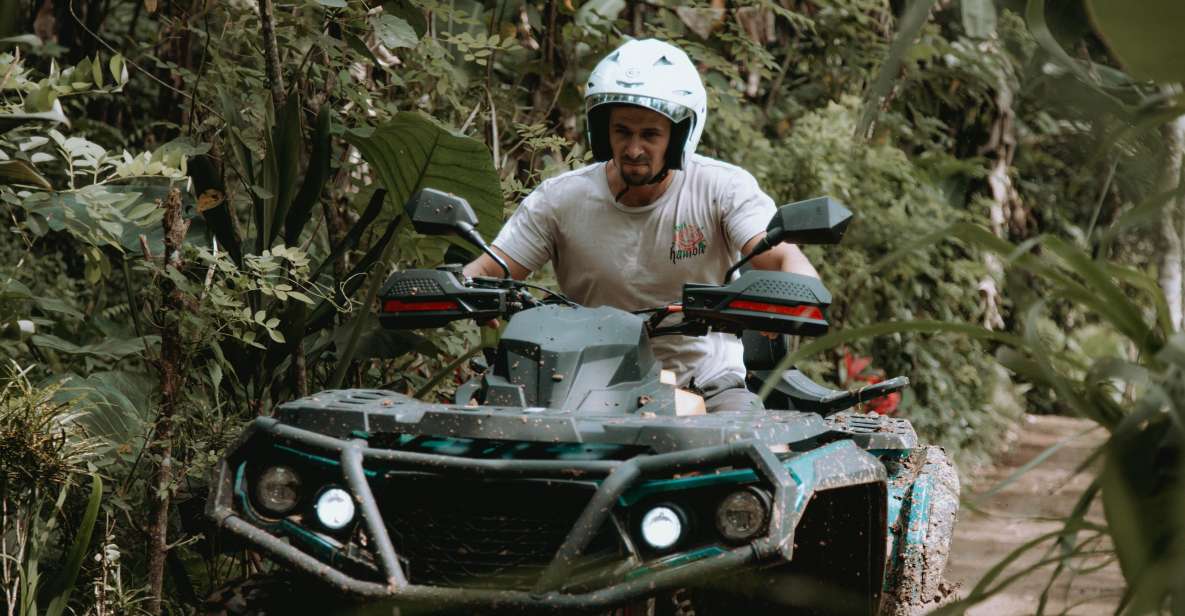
(673,111)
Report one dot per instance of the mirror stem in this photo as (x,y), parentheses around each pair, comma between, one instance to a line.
(501,263)
(472,236)
(761,247)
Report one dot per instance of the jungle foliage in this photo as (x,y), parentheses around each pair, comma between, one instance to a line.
(1003,160)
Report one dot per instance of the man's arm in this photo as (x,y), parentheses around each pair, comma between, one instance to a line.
(783,257)
(485,266)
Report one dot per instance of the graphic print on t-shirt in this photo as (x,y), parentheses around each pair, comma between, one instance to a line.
(689,242)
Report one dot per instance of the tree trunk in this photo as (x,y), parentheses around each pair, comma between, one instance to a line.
(1172,254)
(171,383)
(1005,204)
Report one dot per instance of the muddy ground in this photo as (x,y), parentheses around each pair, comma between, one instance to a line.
(1020,512)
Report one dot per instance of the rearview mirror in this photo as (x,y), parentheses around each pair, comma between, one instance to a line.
(435,212)
(821,220)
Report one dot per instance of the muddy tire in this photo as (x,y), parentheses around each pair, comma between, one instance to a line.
(918,584)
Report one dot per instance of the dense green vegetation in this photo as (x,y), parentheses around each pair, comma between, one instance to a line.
(201,197)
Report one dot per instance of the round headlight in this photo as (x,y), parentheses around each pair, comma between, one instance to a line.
(742,515)
(662,527)
(335,508)
(278,490)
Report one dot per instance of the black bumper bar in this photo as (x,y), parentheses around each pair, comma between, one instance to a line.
(618,476)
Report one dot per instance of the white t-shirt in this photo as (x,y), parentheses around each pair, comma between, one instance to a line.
(606,253)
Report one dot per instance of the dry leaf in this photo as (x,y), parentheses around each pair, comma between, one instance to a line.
(210,199)
(758,23)
(702,21)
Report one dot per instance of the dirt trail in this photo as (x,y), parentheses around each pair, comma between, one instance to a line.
(1014,516)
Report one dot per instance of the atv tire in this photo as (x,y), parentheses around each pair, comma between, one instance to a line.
(267,594)
(918,584)
(253,596)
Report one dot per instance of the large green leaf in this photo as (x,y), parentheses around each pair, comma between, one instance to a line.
(283,160)
(314,179)
(1145,36)
(59,589)
(979,18)
(412,152)
(109,349)
(395,32)
(119,404)
(409,153)
(1043,36)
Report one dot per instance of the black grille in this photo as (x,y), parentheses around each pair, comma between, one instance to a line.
(780,288)
(414,286)
(486,535)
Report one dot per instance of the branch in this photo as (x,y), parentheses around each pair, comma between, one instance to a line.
(271,54)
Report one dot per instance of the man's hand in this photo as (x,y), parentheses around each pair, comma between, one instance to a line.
(782,258)
(486,266)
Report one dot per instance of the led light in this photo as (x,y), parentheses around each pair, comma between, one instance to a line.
(742,515)
(661,527)
(397,305)
(806,312)
(335,508)
(278,490)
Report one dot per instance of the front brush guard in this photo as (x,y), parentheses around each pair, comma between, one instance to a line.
(618,476)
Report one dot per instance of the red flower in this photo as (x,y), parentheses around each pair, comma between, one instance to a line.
(858,373)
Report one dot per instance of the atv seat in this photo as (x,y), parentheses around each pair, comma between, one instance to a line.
(794,390)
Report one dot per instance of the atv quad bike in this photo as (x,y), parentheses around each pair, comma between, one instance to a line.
(572,476)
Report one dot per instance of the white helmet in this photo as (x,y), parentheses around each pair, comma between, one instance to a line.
(651,74)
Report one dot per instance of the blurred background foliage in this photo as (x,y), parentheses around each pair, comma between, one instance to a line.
(1014,167)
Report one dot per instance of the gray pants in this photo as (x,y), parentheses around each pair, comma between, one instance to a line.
(728,393)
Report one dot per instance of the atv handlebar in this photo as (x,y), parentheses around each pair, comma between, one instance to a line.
(758,300)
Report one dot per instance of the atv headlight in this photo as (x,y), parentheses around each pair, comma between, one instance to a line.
(662,527)
(278,490)
(335,508)
(742,515)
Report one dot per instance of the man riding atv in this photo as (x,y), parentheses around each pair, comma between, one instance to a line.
(650,214)
(566,476)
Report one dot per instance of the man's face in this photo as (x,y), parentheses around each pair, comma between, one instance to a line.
(638,138)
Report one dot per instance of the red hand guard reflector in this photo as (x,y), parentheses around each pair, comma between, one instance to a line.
(806,312)
(398,305)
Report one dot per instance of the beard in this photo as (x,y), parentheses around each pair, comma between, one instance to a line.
(633,176)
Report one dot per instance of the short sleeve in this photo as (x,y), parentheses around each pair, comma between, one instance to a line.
(746,209)
(529,236)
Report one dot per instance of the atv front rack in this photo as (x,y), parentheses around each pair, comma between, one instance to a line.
(617,478)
